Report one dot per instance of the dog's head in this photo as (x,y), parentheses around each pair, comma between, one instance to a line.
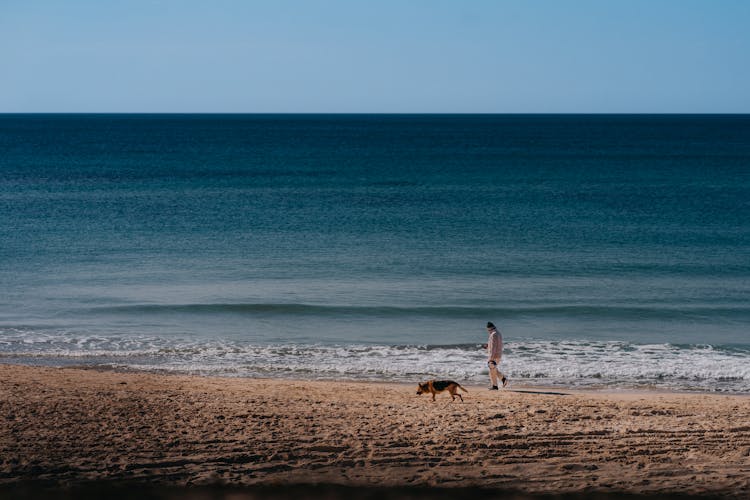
(423,388)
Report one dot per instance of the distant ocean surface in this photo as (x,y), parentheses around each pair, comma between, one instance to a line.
(612,251)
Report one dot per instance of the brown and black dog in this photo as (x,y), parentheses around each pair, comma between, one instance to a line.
(436,386)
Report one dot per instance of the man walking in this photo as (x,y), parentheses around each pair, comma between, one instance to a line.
(494,348)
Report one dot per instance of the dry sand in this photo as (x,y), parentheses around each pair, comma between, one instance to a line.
(69,426)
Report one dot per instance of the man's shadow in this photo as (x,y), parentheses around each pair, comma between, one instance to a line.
(546,393)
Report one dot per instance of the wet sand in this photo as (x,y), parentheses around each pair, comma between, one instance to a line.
(66,427)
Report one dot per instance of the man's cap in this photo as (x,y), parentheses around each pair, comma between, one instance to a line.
(490,325)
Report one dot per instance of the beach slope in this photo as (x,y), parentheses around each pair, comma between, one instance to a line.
(71,426)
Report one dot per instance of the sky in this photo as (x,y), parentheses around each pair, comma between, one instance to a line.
(378,56)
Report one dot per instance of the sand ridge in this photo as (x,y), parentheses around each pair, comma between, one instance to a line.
(73,425)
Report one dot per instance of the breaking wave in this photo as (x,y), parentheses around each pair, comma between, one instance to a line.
(640,312)
(573,363)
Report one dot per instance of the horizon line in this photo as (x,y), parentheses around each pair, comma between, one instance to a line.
(375,113)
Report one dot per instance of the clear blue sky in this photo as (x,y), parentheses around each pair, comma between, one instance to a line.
(378,56)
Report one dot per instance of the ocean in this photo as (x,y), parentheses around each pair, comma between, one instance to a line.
(612,251)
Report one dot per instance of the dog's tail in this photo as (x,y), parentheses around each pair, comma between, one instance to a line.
(461,387)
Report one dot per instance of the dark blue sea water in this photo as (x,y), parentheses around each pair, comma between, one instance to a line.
(611,250)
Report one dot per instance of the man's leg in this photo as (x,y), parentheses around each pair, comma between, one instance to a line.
(503,378)
(492,365)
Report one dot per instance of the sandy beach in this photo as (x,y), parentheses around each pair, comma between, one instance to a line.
(66,426)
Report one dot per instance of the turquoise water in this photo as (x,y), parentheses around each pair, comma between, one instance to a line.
(611,250)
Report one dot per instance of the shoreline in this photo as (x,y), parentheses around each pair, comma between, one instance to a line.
(514,386)
(77,426)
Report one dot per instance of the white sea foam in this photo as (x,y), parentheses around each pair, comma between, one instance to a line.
(574,363)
